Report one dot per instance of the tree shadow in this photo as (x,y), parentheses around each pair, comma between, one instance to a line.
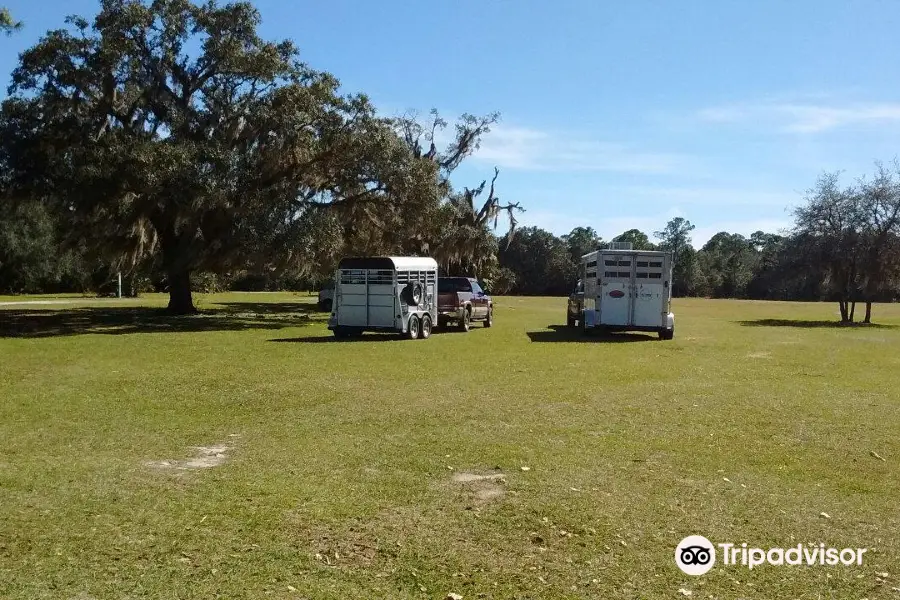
(41,323)
(304,306)
(808,324)
(563,333)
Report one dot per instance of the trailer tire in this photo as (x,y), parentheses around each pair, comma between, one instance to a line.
(413,293)
(667,334)
(425,328)
(412,328)
(341,333)
(570,321)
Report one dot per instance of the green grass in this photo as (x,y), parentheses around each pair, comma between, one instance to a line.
(339,479)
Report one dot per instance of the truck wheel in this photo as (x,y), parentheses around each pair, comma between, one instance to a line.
(570,321)
(413,293)
(425,330)
(412,328)
(325,305)
(490,317)
(465,321)
(666,334)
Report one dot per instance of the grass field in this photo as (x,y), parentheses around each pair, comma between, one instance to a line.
(243,453)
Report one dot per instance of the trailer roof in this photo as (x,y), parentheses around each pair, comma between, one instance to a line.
(608,251)
(399,263)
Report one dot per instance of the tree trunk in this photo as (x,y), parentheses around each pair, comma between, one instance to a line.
(852,310)
(868,318)
(844,314)
(180,300)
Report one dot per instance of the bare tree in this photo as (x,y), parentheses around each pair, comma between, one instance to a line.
(854,232)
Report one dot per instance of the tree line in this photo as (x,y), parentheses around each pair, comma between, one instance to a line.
(237,166)
(844,247)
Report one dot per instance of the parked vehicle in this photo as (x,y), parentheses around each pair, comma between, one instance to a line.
(575,309)
(326,296)
(628,290)
(461,300)
(385,293)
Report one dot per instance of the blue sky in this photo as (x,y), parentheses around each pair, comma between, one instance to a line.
(615,115)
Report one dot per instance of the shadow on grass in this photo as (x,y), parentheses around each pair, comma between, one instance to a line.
(124,320)
(369,336)
(270,308)
(811,324)
(562,333)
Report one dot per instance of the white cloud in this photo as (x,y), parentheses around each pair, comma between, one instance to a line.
(535,150)
(708,196)
(795,117)
(529,149)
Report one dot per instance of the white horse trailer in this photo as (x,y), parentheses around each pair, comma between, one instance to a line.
(385,293)
(628,290)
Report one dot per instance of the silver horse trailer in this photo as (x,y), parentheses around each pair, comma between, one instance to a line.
(628,290)
(385,293)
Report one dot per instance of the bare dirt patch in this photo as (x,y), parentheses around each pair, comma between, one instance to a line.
(483,487)
(204,457)
(759,355)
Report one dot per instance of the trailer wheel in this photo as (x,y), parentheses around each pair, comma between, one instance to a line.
(412,328)
(413,293)
(425,330)
(341,333)
(466,320)
(570,321)
(667,334)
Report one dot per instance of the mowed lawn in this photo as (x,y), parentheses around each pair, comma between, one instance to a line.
(243,453)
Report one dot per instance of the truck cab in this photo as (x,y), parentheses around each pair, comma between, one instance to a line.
(462,300)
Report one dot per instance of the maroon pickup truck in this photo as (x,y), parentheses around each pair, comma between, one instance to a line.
(461,300)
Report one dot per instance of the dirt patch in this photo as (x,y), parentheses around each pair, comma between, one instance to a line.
(483,487)
(204,457)
(759,355)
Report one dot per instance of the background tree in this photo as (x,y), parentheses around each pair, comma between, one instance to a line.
(7,23)
(540,261)
(880,221)
(675,237)
(832,223)
(638,239)
(581,241)
(727,260)
(463,241)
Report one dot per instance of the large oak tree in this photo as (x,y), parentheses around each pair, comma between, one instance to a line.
(170,128)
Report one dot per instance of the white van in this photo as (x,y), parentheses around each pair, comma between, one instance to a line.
(385,293)
(628,290)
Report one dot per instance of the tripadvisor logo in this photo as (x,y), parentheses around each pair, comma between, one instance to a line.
(696,555)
